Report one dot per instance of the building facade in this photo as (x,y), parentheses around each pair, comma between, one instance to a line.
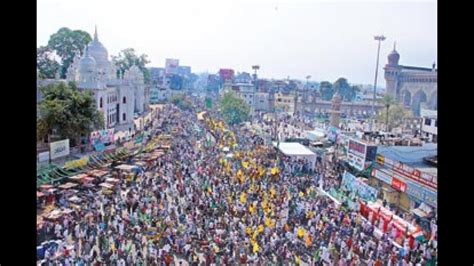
(414,87)
(118,96)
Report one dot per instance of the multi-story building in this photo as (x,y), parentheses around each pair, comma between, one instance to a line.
(410,85)
(285,102)
(118,97)
(429,124)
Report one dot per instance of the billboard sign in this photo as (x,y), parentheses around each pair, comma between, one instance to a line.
(226,74)
(356,154)
(399,184)
(59,149)
(171,66)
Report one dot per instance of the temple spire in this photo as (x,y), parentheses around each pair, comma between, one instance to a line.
(96,38)
(395,46)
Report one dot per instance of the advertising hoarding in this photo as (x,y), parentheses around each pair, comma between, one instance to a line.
(226,74)
(356,154)
(171,66)
(59,149)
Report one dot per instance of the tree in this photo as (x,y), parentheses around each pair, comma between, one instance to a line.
(66,43)
(233,108)
(47,65)
(394,115)
(342,86)
(127,58)
(326,90)
(182,102)
(387,101)
(67,112)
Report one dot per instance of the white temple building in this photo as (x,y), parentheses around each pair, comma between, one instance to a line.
(119,97)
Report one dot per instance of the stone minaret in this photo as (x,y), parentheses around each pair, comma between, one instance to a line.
(336,107)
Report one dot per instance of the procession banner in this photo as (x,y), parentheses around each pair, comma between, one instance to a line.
(59,149)
(351,183)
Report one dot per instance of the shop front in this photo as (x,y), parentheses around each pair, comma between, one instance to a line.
(401,191)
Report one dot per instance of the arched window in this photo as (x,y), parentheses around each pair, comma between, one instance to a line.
(100,102)
(124,116)
(124,100)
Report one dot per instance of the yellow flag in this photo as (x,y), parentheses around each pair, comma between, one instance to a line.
(272,192)
(274,171)
(260,228)
(301,232)
(256,248)
(245,164)
(248,230)
(301,194)
(297,260)
(243,198)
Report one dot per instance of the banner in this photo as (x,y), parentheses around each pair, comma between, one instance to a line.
(43,157)
(351,183)
(59,149)
(99,146)
(332,134)
(104,136)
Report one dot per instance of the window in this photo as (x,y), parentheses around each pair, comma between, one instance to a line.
(124,100)
(427,121)
(124,117)
(436,123)
(100,102)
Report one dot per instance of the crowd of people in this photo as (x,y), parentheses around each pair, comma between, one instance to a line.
(220,202)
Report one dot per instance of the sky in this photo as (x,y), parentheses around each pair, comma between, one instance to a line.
(321,38)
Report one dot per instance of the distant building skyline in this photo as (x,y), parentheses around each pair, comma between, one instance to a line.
(326,40)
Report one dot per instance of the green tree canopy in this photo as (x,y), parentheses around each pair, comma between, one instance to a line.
(182,102)
(394,113)
(66,43)
(234,109)
(326,90)
(67,112)
(47,65)
(127,58)
(347,91)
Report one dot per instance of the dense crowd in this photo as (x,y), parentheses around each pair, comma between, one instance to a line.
(208,206)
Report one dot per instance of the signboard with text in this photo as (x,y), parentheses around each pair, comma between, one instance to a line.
(356,154)
(409,172)
(59,149)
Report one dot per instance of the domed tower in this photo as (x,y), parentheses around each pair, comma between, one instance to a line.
(392,72)
(98,51)
(87,68)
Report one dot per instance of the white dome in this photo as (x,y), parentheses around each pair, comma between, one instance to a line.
(87,63)
(99,52)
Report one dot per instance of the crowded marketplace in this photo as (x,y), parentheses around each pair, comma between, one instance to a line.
(196,191)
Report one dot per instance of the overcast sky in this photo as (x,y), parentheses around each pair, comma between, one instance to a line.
(324,39)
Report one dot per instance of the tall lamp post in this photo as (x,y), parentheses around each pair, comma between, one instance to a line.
(378,38)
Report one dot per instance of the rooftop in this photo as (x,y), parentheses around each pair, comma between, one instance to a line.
(412,155)
(293,148)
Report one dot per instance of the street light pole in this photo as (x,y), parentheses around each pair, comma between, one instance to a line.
(378,38)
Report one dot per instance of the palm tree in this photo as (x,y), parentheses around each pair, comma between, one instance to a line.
(387,101)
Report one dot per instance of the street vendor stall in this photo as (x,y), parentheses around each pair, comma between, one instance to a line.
(68,185)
